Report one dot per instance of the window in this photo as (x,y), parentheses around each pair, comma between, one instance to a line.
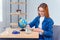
(0,10)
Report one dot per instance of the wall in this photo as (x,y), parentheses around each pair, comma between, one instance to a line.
(5,8)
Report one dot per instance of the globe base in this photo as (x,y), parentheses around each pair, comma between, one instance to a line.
(22,30)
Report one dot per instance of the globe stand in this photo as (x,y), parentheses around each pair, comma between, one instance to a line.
(22,30)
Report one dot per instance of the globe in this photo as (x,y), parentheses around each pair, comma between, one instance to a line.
(22,23)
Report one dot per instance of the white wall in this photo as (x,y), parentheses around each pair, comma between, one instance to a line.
(4,13)
(54,9)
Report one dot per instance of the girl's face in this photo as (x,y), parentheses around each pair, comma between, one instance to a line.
(41,11)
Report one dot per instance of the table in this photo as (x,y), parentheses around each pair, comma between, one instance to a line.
(23,35)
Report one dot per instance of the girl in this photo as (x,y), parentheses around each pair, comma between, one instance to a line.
(43,23)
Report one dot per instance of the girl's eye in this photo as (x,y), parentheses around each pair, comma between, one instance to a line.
(41,11)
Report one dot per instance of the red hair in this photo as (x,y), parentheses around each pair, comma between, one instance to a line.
(45,7)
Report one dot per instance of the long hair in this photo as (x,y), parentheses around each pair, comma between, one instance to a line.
(45,7)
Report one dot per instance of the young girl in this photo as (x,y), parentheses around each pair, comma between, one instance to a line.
(43,23)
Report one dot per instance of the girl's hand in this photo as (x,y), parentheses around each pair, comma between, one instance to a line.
(41,30)
(38,30)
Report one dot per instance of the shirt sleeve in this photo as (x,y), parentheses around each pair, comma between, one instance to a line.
(49,32)
(33,22)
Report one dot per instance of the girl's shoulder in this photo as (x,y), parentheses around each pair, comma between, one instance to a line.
(37,17)
(50,20)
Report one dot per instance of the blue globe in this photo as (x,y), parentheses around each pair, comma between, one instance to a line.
(22,23)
